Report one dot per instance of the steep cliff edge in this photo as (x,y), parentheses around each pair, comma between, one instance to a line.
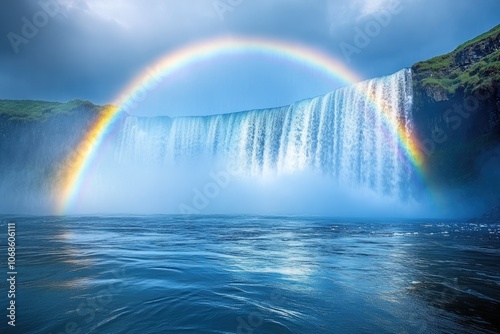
(457,112)
(472,66)
(35,138)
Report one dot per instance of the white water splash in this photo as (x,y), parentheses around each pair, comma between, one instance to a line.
(342,134)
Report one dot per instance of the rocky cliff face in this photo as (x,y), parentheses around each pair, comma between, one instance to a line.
(471,54)
(30,152)
(457,109)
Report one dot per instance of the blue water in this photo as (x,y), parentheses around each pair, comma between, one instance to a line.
(248,274)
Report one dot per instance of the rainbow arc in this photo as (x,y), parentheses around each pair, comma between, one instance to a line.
(78,163)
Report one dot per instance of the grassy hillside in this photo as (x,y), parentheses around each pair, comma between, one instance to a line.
(27,110)
(442,86)
(446,72)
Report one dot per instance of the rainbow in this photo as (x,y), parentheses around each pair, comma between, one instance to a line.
(80,160)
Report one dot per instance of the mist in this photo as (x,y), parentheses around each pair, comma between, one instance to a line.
(208,186)
(331,155)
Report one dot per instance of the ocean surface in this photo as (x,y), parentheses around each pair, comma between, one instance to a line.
(252,274)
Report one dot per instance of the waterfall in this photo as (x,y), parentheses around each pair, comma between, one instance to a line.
(343,134)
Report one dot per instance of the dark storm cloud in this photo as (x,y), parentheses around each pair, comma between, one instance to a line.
(37,51)
(85,52)
(12,12)
(92,48)
(421,30)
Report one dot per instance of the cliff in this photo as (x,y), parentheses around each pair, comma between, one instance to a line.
(457,111)
(35,138)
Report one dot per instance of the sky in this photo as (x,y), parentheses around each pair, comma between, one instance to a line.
(92,49)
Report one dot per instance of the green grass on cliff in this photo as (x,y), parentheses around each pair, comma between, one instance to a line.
(26,110)
(493,33)
(440,73)
(483,73)
(479,75)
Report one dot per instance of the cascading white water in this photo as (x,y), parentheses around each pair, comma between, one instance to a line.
(344,134)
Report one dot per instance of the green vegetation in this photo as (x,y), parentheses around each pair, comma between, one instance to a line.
(26,110)
(435,64)
(442,72)
(485,72)
(479,76)
(493,33)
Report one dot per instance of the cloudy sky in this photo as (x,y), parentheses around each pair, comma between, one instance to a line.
(59,50)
